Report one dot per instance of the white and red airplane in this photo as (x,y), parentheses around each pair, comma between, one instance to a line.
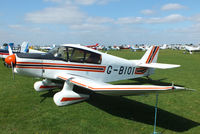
(70,65)
(93,46)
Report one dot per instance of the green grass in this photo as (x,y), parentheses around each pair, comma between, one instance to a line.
(23,110)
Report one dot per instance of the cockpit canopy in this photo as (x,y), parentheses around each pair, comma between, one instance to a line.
(76,55)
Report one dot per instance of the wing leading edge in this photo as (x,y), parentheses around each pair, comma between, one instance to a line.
(121,90)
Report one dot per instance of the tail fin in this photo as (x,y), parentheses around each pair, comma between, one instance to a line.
(150,58)
(151,55)
(10,50)
(24,47)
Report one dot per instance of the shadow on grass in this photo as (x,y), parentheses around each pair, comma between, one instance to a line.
(133,110)
(140,112)
(47,95)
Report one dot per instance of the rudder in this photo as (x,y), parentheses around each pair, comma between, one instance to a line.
(151,55)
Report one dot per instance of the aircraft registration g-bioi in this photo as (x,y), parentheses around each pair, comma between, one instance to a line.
(69,65)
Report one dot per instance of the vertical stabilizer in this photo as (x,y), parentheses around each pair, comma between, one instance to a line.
(24,47)
(151,55)
(10,50)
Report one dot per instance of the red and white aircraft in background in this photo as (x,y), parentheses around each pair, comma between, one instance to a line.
(93,46)
(78,65)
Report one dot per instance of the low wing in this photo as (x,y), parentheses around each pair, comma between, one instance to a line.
(121,90)
(159,65)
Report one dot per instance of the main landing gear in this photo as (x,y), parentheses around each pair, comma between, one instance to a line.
(67,96)
(46,85)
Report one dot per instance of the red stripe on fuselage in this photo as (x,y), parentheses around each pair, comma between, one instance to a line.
(4,53)
(60,69)
(39,63)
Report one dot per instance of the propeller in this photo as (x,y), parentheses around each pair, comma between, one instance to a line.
(12,66)
(11,60)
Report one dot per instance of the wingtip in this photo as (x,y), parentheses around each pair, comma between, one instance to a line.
(189,89)
(183,88)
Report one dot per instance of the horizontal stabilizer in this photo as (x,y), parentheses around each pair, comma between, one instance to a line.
(158,65)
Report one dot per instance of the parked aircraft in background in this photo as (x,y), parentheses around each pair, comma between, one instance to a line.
(23,49)
(164,46)
(93,46)
(35,51)
(4,52)
(47,48)
(191,49)
(134,49)
(70,65)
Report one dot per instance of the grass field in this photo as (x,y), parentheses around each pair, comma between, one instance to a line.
(24,111)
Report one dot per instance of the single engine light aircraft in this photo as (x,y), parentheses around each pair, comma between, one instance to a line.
(88,68)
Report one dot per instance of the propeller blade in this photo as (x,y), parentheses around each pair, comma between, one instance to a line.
(13,73)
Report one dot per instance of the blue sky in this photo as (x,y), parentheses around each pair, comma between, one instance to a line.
(108,22)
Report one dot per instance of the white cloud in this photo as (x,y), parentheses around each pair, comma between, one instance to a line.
(172,6)
(129,20)
(99,20)
(173,18)
(15,26)
(86,27)
(105,1)
(147,12)
(21,28)
(85,2)
(195,18)
(89,27)
(63,15)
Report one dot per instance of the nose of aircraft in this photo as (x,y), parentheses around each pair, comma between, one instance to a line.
(10,59)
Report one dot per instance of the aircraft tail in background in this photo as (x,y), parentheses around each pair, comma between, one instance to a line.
(24,47)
